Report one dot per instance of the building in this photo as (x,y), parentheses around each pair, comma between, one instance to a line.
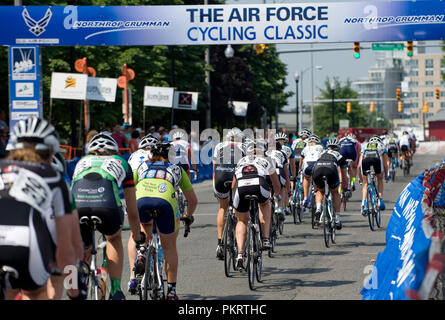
(436,125)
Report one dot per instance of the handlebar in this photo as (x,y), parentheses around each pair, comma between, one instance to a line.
(187,222)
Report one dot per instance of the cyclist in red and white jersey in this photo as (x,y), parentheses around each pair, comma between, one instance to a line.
(183,151)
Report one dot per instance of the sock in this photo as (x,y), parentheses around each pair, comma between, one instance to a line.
(115,286)
(363,202)
(171,287)
(219,241)
(338,216)
(318,206)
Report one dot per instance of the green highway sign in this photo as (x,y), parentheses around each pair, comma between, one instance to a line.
(383,46)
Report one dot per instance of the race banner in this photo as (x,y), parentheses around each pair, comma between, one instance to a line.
(185,100)
(223,24)
(101,89)
(68,86)
(158,96)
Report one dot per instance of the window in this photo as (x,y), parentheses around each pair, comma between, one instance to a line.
(414,84)
(429,63)
(429,72)
(442,93)
(430,105)
(442,104)
(413,73)
(429,83)
(429,94)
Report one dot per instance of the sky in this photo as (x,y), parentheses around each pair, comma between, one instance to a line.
(340,64)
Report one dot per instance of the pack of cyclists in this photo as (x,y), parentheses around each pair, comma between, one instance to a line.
(43,236)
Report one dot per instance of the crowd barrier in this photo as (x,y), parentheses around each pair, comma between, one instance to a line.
(413,259)
(431,147)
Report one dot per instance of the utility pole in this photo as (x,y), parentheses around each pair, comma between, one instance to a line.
(209,88)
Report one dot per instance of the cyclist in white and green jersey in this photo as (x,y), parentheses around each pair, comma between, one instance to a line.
(156,181)
(96,182)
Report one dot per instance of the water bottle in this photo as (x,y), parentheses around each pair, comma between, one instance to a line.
(160,256)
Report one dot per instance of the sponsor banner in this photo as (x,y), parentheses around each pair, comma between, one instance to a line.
(101,89)
(25,82)
(240,108)
(222,24)
(185,100)
(69,86)
(401,265)
(158,96)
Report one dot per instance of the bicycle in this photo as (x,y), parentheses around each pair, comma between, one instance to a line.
(5,273)
(345,196)
(392,169)
(372,201)
(327,216)
(297,198)
(253,247)
(312,205)
(406,167)
(274,226)
(97,277)
(229,239)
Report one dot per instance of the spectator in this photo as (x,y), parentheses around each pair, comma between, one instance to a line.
(119,138)
(325,140)
(127,130)
(133,142)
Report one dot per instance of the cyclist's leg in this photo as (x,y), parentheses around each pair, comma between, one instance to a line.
(241,229)
(115,259)
(265,215)
(38,294)
(168,243)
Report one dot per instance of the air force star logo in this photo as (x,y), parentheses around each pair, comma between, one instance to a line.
(37,27)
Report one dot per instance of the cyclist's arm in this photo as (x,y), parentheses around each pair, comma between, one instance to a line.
(130,201)
(385,163)
(286,174)
(293,167)
(275,183)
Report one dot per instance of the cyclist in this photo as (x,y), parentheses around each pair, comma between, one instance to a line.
(392,145)
(96,182)
(350,149)
(183,152)
(156,181)
(280,160)
(283,139)
(298,146)
(413,140)
(143,153)
(332,165)
(225,157)
(405,144)
(373,154)
(251,179)
(36,230)
(309,156)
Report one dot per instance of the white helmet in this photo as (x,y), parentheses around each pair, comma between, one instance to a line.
(148,141)
(305,133)
(352,136)
(375,139)
(333,142)
(314,138)
(102,141)
(258,144)
(281,136)
(178,135)
(234,133)
(35,130)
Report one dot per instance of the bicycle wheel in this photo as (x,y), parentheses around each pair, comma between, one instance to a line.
(370,206)
(93,287)
(250,259)
(378,216)
(313,209)
(272,234)
(293,209)
(333,230)
(157,283)
(326,225)
(146,281)
(227,245)
(258,256)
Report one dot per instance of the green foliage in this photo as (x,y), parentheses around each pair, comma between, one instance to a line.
(358,117)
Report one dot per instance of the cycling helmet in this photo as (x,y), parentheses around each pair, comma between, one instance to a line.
(351,136)
(314,138)
(333,143)
(234,133)
(148,141)
(281,136)
(375,139)
(161,149)
(259,145)
(305,133)
(58,163)
(38,131)
(405,132)
(178,135)
(102,141)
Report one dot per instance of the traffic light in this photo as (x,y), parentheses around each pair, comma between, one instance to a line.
(356,50)
(425,107)
(398,93)
(371,107)
(409,48)
(399,106)
(437,93)
(260,48)
(348,107)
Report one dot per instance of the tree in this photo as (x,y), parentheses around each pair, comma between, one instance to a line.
(323,112)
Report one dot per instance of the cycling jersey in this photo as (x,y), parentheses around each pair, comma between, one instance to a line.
(327,166)
(183,151)
(280,160)
(405,140)
(251,173)
(138,157)
(31,196)
(372,156)
(156,183)
(348,148)
(288,152)
(298,146)
(310,155)
(226,156)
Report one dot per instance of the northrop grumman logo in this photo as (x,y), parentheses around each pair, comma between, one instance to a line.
(37,27)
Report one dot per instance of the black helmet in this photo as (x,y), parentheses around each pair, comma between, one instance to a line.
(161,149)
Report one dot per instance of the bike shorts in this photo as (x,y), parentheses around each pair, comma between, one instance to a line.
(168,219)
(404,148)
(297,161)
(349,152)
(392,151)
(112,221)
(251,185)
(331,174)
(371,161)
(281,176)
(25,245)
(308,168)
(220,176)
(184,166)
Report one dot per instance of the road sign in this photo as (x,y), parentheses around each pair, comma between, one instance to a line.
(383,46)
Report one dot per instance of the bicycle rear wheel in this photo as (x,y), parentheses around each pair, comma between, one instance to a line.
(258,255)
(272,234)
(371,207)
(228,245)
(250,257)
(146,281)
(313,209)
(326,225)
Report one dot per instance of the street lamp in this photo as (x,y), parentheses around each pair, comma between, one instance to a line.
(333,106)
(297,78)
(229,52)
(279,83)
(312,93)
